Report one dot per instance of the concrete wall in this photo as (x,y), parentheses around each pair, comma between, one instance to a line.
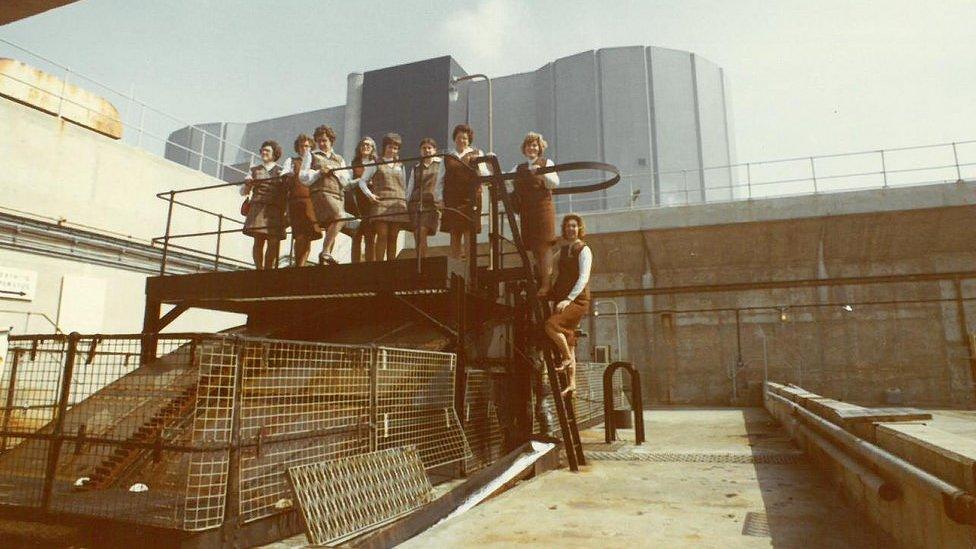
(57,170)
(907,335)
(96,300)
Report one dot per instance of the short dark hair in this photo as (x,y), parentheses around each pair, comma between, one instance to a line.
(463,128)
(579,221)
(326,131)
(428,141)
(302,138)
(275,148)
(392,139)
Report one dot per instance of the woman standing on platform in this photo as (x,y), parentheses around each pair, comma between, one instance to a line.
(301,213)
(537,214)
(365,154)
(265,221)
(571,292)
(425,197)
(326,187)
(388,201)
(462,189)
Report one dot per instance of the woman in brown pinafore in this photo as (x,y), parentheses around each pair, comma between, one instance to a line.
(265,221)
(388,197)
(537,214)
(571,292)
(301,213)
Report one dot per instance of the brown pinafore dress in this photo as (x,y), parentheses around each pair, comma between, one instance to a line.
(537,216)
(462,192)
(568,320)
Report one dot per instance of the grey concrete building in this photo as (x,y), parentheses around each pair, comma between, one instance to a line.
(660,115)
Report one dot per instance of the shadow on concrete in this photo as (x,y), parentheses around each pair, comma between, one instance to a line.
(800,507)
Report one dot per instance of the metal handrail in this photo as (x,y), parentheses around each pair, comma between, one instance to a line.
(29,314)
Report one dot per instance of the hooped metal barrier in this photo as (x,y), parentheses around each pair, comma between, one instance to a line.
(637,403)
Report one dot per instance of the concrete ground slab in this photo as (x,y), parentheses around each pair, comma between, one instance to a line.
(672,503)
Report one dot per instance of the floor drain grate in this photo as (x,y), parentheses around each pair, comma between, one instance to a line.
(779,458)
(756,524)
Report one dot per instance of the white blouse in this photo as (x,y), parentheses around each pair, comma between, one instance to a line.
(552,179)
(585,263)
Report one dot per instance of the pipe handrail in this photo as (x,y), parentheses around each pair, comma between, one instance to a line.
(637,402)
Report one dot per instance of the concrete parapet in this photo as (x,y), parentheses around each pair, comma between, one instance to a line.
(913,483)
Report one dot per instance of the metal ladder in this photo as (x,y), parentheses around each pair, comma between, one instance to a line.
(565,408)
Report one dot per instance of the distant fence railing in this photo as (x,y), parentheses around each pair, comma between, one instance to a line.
(144,126)
(831,173)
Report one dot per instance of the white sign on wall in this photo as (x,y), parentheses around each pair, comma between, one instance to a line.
(17,284)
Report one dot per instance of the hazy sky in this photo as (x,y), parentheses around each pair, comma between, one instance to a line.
(806,78)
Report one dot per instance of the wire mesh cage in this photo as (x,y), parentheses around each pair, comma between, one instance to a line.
(94,425)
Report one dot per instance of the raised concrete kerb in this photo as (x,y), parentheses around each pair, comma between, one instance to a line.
(960,193)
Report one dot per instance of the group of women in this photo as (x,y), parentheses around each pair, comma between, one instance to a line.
(373,199)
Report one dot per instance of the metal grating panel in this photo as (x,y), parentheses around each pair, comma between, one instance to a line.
(756,524)
(345,497)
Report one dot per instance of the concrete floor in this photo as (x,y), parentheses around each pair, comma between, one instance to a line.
(960,422)
(679,502)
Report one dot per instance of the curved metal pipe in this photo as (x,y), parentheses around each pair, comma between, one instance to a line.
(959,505)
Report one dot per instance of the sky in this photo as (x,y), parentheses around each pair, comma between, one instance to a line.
(805,77)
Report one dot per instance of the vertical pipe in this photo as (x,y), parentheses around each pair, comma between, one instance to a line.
(232,497)
(220,226)
(374,400)
(8,405)
(884,170)
(964,328)
(955,154)
(813,172)
(169,220)
(491,132)
(54,451)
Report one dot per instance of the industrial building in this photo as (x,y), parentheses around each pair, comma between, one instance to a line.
(660,115)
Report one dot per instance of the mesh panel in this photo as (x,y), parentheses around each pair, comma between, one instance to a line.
(415,405)
(481,426)
(289,389)
(152,442)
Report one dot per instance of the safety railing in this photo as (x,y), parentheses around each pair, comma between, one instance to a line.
(850,171)
(207,430)
(144,126)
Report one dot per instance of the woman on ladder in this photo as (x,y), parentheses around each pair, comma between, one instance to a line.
(571,292)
